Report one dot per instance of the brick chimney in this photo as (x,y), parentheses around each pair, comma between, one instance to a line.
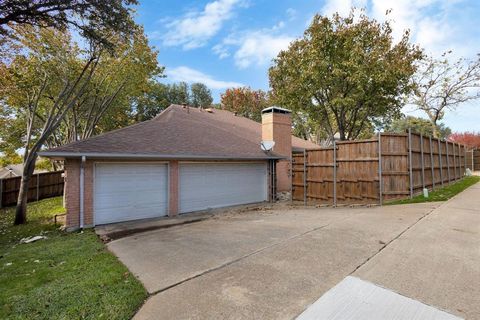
(277,126)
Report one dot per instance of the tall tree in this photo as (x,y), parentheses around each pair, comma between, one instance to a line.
(95,20)
(178,93)
(468,138)
(43,83)
(106,103)
(152,101)
(201,95)
(90,17)
(245,102)
(345,74)
(418,125)
(441,86)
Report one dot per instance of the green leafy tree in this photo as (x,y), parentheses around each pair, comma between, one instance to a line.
(345,74)
(418,125)
(245,102)
(178,93)
(201,95)
(106,102)
(45,91)
(10,158)
(441,86)
(151,102)
(158,96)
(92,18)
(43,82)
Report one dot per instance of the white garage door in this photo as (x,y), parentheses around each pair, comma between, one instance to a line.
(130,191)
(215,185)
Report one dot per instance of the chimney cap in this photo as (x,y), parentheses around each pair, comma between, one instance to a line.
(275,109)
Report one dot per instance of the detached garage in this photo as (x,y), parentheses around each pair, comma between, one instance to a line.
(184,160)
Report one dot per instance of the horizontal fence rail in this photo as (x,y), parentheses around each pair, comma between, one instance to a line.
(41,186)
(388,167)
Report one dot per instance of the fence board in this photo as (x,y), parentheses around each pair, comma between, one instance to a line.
(41,186)
(392,166)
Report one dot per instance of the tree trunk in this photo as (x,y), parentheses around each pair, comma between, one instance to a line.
(21,210)
(341,131)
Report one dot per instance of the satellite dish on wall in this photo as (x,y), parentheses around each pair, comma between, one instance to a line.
(267,145)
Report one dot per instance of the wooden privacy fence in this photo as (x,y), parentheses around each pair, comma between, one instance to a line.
(40,186)
(390,166)
(473,159)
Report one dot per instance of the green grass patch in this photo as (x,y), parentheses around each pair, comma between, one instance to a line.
(66,276)
(442,194)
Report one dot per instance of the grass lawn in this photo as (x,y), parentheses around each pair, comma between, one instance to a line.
(66,276)
(442,194)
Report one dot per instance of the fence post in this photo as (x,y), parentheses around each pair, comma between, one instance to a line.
(410,161)
(440,161)
(334,173)
(304,177)
(1,192)
(448,162)
(473,163)
(380,182)
(423,162)
(432,164)
(454,163)
(462,169)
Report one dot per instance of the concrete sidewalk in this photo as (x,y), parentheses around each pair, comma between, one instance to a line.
(437,261)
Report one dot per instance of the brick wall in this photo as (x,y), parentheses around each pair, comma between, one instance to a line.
(72,190)
(72,193)
(278,127)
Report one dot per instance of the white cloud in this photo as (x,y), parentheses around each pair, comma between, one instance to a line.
(404,14)
(343,7)
(194,29)
(259,48)
(291,14)
(255,47)
(427,20)
(221,51)
(189,75)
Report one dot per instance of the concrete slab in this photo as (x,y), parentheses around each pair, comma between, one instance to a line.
(356,299)
(437,261)
(163,258)
(297,256)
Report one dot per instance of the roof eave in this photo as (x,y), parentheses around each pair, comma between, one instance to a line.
(97,155)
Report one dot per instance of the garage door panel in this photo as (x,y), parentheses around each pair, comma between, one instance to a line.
(215,185)
(130,191)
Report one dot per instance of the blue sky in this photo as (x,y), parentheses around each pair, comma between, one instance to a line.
(228,43)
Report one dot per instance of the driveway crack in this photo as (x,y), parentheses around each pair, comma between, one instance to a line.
(393,239)
(246,256)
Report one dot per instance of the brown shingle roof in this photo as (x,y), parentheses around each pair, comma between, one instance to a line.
(183,133)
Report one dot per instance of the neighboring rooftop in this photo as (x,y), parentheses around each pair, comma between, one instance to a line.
(180,132)
(14,170)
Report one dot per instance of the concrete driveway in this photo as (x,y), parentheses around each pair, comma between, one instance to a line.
(273,264)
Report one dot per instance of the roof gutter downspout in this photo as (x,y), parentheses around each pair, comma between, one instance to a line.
(82,191)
